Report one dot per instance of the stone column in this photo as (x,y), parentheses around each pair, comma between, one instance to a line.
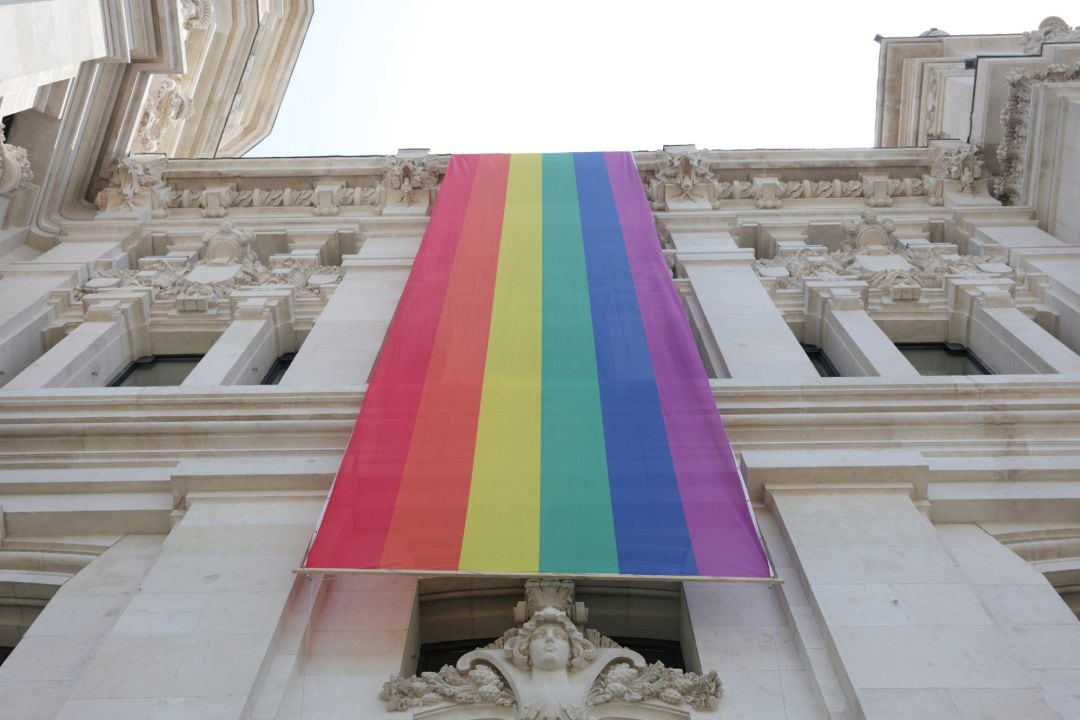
(1051,269)
(904,606)
(113,333)
(983,317)
(260,332)
(27,294)
(197,640)
(56,650)
(342,346)
(742,320)
(837,322)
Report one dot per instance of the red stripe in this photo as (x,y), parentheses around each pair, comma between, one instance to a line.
(429,521)
(357,517)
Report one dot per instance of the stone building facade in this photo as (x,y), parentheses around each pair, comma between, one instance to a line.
(923,516)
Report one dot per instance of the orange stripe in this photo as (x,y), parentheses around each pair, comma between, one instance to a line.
(429,519)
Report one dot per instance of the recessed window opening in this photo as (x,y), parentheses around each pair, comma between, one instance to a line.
(156,371)
(943,359)
(278,369)
(457,617)
(821,361)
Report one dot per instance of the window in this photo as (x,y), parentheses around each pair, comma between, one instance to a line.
(434,655)
(821,361)
(943,359)
(156,371)
(277,370)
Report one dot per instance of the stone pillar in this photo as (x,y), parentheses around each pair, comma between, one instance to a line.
(983,317)
(113,333)
(342,346)
(26,291)
(39,674)
(905,614)
(260,332)
(1051,269)
(199,634)
(746,326)
(837,322)
(364,629)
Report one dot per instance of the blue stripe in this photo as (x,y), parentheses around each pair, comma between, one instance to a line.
(650,528)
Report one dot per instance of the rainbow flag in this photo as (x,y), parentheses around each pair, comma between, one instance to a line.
(539,405)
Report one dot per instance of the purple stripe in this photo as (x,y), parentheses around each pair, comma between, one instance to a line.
(722,533)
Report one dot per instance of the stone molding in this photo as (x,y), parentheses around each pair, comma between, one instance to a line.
(1008,187)
(405,185)
(552,668)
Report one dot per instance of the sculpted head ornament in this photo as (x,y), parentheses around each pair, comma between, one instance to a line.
(549,641)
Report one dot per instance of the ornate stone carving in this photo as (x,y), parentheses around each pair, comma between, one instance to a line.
(197,14)
(684,180)
(875,264)
(870,230)
(408,182)
(228,264)
(135,181)
(961,163)
(1051,29)
(228,244)
(15,169)
(168,103)
(258,198)
(549,669)
(680,177)
(1015,117)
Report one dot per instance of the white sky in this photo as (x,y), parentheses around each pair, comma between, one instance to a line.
(560,75)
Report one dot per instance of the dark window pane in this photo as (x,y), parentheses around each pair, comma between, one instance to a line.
(277,370)
(820,361)
(161,371)
(434,655)
(942,360)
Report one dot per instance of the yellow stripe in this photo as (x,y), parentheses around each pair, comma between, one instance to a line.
(502,528)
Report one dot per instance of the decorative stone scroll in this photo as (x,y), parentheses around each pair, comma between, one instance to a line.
(548,668)
(15,169)
(1015,118)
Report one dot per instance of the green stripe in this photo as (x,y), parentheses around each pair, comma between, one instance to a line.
(576,527)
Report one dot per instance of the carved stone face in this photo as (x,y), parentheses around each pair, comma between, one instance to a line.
(549,647)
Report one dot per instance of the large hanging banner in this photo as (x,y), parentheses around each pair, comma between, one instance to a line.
(539,405)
